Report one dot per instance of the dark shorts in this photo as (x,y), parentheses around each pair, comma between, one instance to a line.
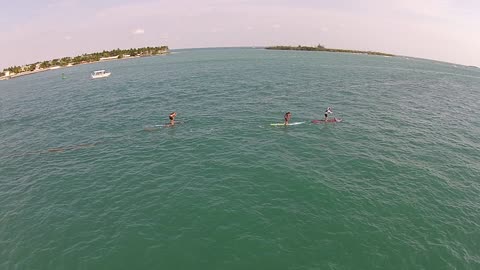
(171,118)
(326,115)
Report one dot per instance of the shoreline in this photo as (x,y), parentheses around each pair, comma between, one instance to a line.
(320,48)
(86,58)
(26,73)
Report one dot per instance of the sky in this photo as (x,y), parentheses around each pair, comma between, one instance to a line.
(36,30)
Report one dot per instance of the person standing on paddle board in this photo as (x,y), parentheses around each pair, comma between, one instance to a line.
(328,111)
(172,118)
(287,117)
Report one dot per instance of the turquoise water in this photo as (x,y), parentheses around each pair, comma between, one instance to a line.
(86,183)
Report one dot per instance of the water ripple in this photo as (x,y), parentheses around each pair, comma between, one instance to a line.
(88,183)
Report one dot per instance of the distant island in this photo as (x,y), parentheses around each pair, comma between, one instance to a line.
(86,58)
(321,48)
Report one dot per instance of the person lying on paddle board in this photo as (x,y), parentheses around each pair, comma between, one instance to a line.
(172,118)
(287,117)
(328,111)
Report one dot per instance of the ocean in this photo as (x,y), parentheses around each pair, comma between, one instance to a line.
(88,182)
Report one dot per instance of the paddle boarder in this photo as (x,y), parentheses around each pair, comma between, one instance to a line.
(287,117)
(172,118)
(327,112)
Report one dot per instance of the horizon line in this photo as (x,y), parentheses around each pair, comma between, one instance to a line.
(246,47)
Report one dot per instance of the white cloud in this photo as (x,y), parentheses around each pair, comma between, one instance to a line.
(67,37)
(139,31)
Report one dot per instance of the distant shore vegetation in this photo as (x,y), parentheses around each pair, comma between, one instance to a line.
(83,59)
(322,48)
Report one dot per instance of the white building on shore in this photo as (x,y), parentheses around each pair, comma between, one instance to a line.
(6,76)
(108,58)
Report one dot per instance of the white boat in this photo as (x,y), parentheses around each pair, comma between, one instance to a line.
(100,74)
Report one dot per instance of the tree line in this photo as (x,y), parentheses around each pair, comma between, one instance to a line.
(88,58)
(322,48)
